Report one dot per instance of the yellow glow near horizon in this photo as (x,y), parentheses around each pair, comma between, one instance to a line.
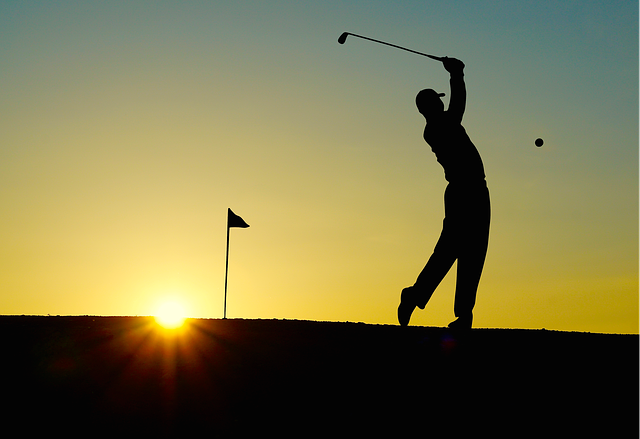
(170,314)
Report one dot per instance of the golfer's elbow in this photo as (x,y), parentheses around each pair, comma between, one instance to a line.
(458,101)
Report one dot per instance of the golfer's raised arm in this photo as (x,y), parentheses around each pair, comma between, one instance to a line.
(458,100)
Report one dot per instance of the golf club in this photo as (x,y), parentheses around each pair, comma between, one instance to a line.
(342,38)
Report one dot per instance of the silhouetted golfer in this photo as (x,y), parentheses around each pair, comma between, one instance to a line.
(465,230)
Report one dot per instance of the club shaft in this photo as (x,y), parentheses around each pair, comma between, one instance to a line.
(437,58)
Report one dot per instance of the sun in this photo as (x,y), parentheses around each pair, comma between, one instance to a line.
(170,314)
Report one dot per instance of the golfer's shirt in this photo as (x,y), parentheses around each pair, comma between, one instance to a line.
(454,151)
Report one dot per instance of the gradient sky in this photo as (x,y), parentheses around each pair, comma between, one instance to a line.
(128,128)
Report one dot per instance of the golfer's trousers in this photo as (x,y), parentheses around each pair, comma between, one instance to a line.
(464,237)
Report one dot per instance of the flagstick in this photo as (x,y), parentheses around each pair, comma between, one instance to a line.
(226,272)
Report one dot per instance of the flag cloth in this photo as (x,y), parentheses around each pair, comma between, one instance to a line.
(234,220)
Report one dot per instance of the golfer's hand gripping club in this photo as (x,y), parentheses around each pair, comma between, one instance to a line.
(453,65)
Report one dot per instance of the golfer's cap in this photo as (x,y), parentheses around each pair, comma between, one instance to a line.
(430,93)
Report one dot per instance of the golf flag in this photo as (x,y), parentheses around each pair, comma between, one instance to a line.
(234,220)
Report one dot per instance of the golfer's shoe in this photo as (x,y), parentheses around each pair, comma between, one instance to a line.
(462,323)
(408,302)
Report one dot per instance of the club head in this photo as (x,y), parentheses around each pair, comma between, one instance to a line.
(342,38)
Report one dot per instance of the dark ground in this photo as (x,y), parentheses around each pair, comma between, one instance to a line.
(98,376)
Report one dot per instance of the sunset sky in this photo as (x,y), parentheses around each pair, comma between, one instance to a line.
(127,128)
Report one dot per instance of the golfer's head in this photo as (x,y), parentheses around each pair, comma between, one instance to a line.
(429,103)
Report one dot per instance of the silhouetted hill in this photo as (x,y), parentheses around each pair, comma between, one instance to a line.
(96,376)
